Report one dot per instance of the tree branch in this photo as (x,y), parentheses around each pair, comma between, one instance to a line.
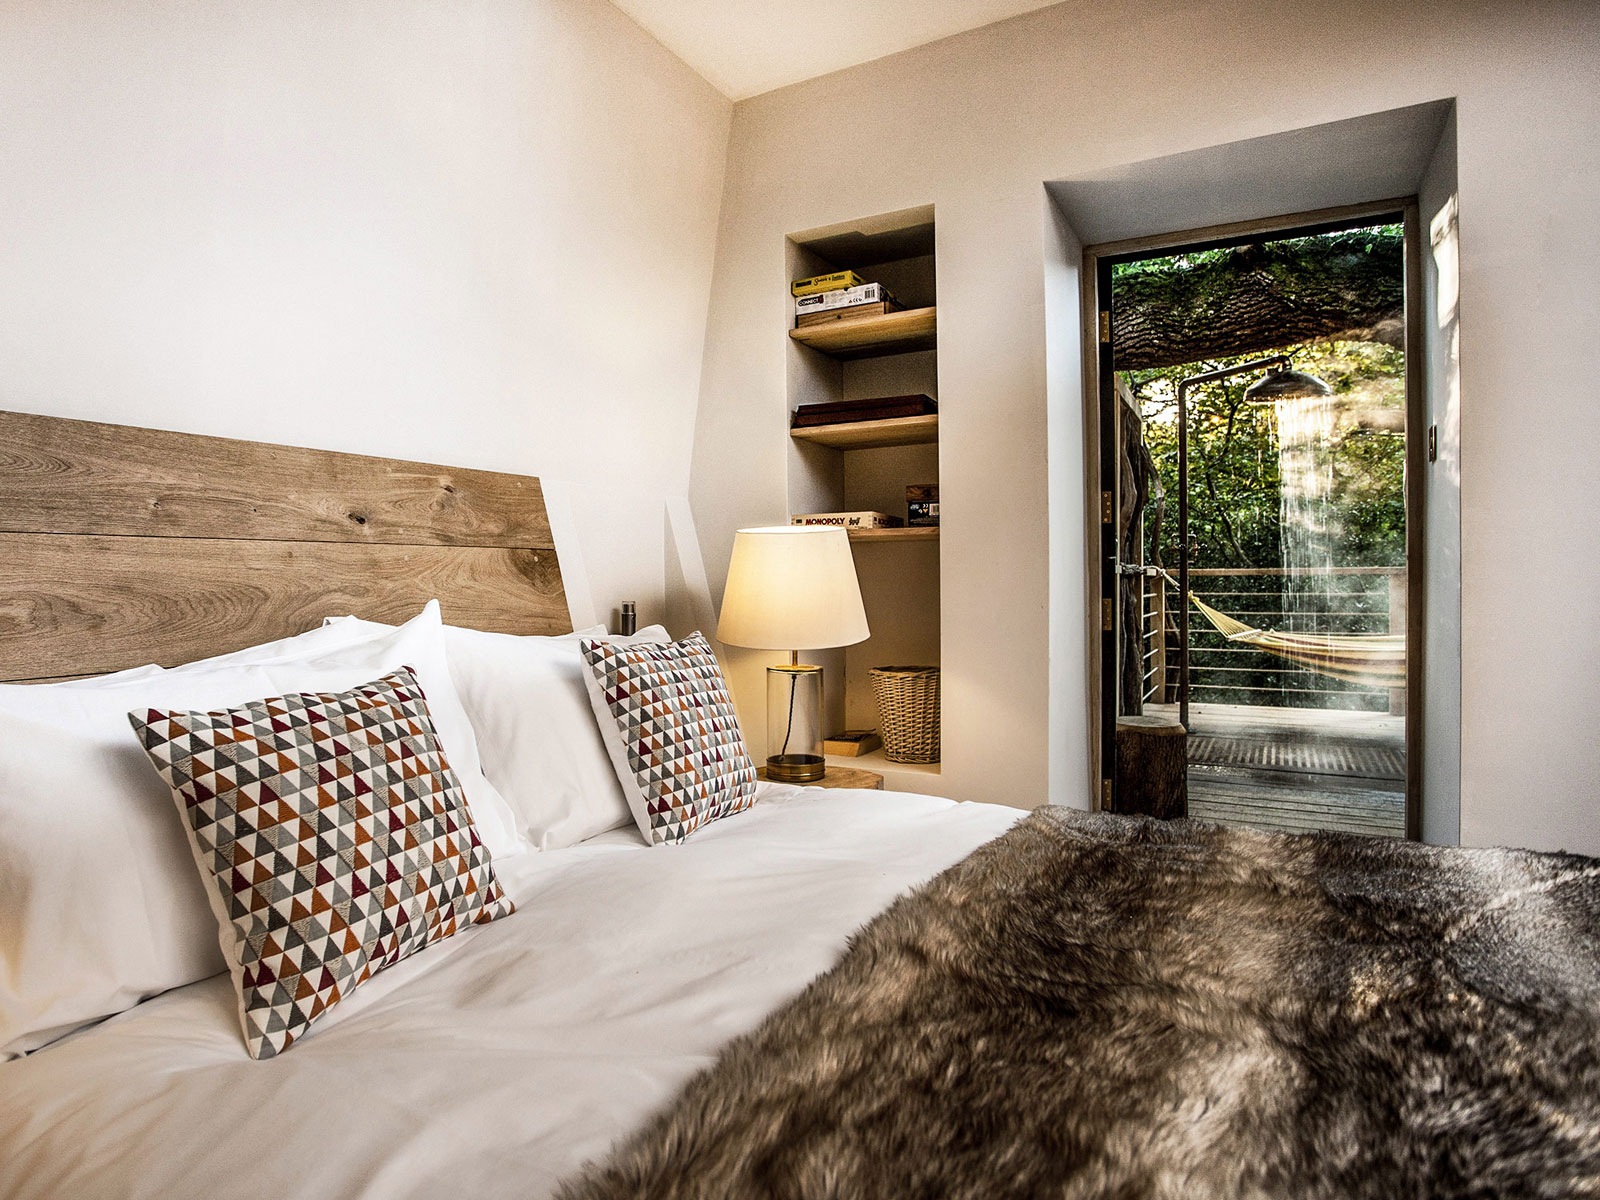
(1262,297)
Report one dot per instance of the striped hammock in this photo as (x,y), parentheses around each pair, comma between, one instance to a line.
(1374,659)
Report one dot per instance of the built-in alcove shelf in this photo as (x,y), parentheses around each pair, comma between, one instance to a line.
(865,337)
(863,466)
(908,533)
(912,777)
(871,435)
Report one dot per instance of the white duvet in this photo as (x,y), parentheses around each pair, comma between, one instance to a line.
(499,1061)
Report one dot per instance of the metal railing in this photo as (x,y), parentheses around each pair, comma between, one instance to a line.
(1355,600)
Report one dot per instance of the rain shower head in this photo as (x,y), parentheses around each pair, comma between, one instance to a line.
(1284,384)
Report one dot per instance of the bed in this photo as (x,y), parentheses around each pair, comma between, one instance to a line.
(499,1062)
(831,993)
(502,1059)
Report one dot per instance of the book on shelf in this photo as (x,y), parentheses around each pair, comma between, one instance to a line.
(922,504)
(852,743)
(849,520)
(852,312)
(866,293)
(876,408)
(832,281)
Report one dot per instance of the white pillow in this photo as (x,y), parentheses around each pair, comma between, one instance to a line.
(92,681)
(101,902)
(536,729)
(338,655)
(334,633)
(100,899)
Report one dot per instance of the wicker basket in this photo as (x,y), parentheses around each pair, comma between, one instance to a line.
(908,712)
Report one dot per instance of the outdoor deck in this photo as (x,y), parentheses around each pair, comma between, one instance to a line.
(1295,770)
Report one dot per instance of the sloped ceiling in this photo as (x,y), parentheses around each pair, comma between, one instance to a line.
(746,47)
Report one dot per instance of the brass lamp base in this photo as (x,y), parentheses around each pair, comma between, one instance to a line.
(796,768)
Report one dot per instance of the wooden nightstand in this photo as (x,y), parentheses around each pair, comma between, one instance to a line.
(840,777)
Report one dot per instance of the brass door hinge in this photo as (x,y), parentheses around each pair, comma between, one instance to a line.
(1105,795)
(1107,508)
(1106,621)
(1105,324)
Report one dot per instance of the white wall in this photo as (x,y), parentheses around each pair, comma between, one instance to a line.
(1072,590)
(478,232)
(976,124)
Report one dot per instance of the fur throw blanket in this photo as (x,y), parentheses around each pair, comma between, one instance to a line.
(1114,1007)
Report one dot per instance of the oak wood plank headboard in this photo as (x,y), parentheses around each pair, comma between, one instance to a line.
(121,546)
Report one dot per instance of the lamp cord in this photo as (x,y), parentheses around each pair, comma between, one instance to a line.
(789,728)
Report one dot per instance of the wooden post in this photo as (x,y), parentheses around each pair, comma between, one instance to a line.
(1397,624)
(1152,767)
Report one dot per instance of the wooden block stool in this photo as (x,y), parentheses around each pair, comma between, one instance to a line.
(1152,776)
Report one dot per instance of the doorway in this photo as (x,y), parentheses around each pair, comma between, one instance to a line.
(1260,549)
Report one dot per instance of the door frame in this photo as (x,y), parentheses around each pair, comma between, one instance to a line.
(1101,494)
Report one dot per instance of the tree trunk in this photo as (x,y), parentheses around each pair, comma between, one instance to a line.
(1152,767)
(1262,297)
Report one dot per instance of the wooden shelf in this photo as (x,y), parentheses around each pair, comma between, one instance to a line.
(908,533)
(880,763)
(868,435)
(891,333)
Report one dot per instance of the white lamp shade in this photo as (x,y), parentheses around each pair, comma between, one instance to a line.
(792,587)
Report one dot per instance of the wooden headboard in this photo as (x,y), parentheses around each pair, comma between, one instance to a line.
(122,546)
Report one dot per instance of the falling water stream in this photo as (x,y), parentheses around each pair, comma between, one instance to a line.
(1309,525)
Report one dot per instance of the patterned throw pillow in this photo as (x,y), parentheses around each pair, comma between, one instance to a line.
(333,837)
(669,727)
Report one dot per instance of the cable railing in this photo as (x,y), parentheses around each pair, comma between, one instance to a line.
(1354,600)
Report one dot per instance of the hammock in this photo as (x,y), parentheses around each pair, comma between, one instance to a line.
(1374,659)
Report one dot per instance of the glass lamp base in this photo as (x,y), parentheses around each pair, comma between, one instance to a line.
(794,724)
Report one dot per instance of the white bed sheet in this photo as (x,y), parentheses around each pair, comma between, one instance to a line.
(499,1061)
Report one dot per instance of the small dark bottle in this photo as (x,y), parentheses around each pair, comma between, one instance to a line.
(629,624)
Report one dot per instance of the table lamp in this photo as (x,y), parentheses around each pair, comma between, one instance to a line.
(793,587)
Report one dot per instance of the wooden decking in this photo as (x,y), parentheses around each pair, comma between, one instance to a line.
(1296,770)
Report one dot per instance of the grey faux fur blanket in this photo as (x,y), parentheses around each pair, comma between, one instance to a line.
(1103,1006)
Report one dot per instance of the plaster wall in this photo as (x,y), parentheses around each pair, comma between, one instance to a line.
(478,232)
(976,125)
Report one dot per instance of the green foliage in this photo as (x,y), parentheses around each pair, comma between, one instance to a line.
(1235,488)
(1307,251)
(1234,509)
(1233,457)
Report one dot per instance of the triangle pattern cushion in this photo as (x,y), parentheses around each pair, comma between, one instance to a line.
(669,725)
(333,836)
